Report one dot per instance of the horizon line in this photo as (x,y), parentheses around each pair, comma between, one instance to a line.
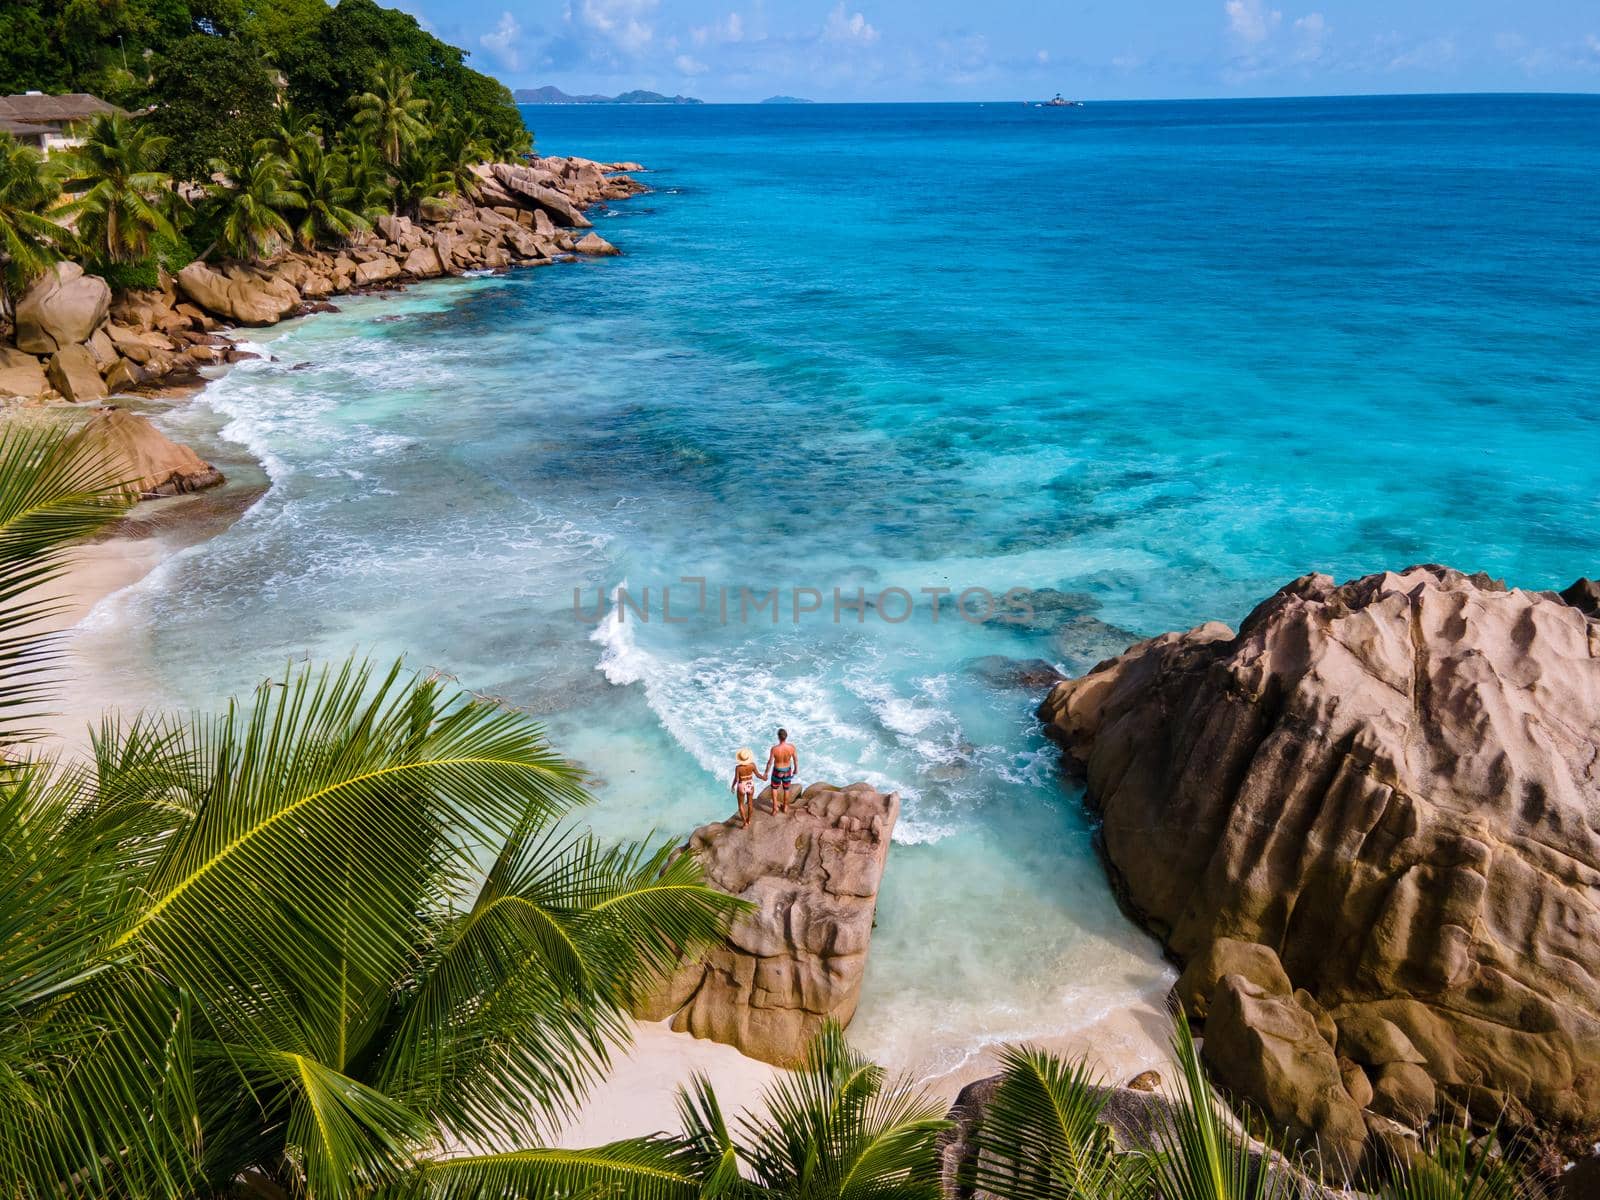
(807,101)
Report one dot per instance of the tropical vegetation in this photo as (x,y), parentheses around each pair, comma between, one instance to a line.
(305,946)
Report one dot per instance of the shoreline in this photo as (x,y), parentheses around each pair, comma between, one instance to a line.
(637,1096)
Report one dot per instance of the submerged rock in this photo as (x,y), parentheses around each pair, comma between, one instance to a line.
(800,956)
(140,454)
(1391,784)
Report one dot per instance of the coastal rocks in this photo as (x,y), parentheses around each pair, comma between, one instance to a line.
(74,373)
(423,263)
(240,298)
(799,957)
(379,269)
(522,183)
(143,457)
(1268,1049)
(1391,784)
(63,308)
(21,375)
(593,243)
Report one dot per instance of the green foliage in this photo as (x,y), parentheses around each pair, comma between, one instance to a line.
(836,1129)
(123,200)
(392,114)
(1458,1167)
(247,203)
(213,98)
(359,37)
(331,204)
(1041,1136)
(30,238)
(206,66)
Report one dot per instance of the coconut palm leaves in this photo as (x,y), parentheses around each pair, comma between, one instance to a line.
(124,199)
(1458,1167)
(305,942)
(836,1129)
(330,204)
(392,113)
(51,494)
(249,196)
(30,240)
(346,918)
(1042,1136)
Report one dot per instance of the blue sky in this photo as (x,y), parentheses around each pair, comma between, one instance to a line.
(734,50)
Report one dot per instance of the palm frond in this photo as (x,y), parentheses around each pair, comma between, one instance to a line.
(637,1169)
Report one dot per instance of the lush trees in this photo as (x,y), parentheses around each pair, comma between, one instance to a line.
(296,945)
(330,203)
(248,202)
(391,113)
(184,53)
(123,200)
(30,239)
(214,97)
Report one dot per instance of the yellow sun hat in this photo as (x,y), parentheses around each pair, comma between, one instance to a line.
(744,755)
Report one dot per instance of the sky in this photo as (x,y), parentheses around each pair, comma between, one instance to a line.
(911,50)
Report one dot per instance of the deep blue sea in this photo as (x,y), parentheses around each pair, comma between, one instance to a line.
(1145,362)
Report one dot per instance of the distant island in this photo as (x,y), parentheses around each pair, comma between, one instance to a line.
(554,95)
(787,100)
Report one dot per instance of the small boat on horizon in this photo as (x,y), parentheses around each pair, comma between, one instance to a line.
(1059,102)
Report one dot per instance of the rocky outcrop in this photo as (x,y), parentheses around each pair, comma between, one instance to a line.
(1393,786)
(140,455)
(21,375)
(239,298)
(62,308)
(165,334)
(799,956)
(73,371)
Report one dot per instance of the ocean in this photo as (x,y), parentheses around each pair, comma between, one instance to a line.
(1023,385)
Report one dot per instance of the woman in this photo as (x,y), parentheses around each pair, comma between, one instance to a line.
(744,783)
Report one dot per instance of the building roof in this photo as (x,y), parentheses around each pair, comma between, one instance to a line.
(32,109)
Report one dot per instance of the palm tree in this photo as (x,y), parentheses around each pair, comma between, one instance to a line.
(330,202)
(422,181)
(125,199)
(299,945)
(296,132)
(367,175)
(392,112)
(462,144)
(248,198)
(836,1129)
(29,239)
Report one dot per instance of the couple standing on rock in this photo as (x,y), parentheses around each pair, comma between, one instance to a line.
(782,763)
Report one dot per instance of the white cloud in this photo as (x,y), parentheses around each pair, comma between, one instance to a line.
(1311,33)
(503,43)
(621,23)
(689,66)
(1042,57)
(851,28)
(1251,21)
(728,31)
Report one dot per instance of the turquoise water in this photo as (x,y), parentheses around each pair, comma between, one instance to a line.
(1146,361)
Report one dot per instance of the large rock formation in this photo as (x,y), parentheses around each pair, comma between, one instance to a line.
(62,308)
(141,455)
(1395,786)
(240,298)
(799,957)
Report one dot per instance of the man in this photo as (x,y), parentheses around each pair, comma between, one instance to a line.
(782,763)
